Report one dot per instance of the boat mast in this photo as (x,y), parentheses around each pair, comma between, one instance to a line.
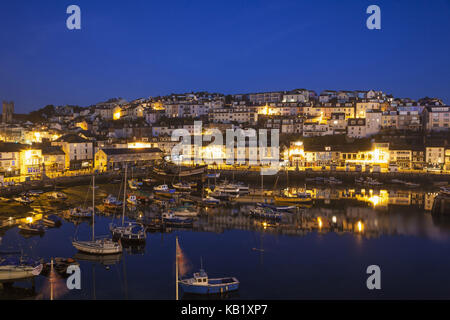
(93,207)
(176,268)
(124,195)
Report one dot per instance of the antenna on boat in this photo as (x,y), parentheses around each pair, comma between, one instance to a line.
(176,267)
(201,263)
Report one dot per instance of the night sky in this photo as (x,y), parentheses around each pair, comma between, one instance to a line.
(144,48)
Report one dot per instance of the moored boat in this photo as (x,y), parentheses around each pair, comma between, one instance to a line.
(23,200)
(51,221)
(111,202)
(200,283)
(276,208)
(163,190)
(171,219)
(32,228)
(299,197)
(15,268)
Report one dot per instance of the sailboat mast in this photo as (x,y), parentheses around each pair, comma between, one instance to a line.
(124,195)
(93,207)
(176,269)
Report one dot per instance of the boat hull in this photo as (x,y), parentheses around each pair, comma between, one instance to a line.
(9,273)
(211,288)
(92,248)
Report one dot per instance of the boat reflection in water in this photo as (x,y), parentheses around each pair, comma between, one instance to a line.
(105,260)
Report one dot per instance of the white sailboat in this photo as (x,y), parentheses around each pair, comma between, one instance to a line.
(132,231)
(97,246)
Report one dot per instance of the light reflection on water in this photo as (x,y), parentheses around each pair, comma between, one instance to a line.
(317,252)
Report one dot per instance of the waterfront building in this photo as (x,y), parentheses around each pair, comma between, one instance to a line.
(54,159)
(78,151)
(116,158)
(435,156)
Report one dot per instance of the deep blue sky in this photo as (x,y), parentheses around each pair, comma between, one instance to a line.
(141,48)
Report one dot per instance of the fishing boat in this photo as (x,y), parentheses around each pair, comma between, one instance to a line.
(23,200)
(201,284)
(51,221)
(101,246)
(299,197)
(32,228)
(112,202)
(265,213)
(182,186)
(163,190)
(171,219)
(213,175)
(130,231)
(17,268)
(276,208)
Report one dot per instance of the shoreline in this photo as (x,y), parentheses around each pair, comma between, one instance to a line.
(279,180)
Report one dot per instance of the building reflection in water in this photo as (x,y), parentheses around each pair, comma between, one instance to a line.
(364,211)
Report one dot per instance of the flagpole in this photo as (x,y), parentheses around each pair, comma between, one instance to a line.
(176,268)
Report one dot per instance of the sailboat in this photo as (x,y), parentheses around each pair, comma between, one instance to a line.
(17,268)
(132,231)
(97,246)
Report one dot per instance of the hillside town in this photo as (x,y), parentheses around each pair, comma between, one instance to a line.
(368,131)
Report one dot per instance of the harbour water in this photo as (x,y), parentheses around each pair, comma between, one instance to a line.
(318,252)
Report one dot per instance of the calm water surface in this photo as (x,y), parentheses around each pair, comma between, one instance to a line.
(320,252)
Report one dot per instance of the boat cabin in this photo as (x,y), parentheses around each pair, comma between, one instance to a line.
(200,278)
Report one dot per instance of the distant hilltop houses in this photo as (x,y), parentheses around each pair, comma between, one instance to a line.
(70,137)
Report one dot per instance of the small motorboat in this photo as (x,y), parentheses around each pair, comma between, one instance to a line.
(130,232)
(51,221)
(32,228)
(112,202)
(57,196)
(134,184)
(186,211)
(23,200)
(60,266)
(169,218)
(265,213)
(201,284)
(132,199)
(17,268)
(34,193)
(163,190)
(80,212)
(300,197)
(182,187)
(210,201)
(213,175)
(276,208)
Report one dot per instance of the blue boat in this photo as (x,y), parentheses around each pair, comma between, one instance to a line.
(170,219)
(276,208)
(201,284)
